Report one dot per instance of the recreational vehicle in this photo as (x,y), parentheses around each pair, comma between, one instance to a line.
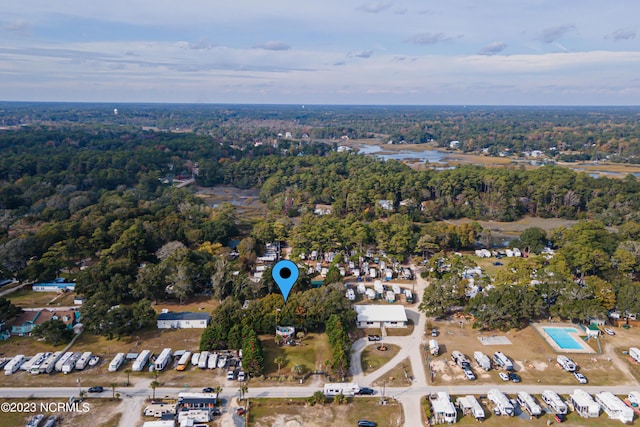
(482,360)
(434,348)
(141,361)
(555,402)
(460,359)
(584,405)
(117,361)
(83,361)
(469,405)
(212,361)
(634,352)
(527,401)
(566,363)
(38,360)
(184,361)
(14,364)
(204,360)
(501,401)
(346,389)
(70,364)
(49,365)
(60,363)
(409,295)
(502,360)
(163,359)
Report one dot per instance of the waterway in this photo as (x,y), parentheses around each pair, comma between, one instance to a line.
(426,156)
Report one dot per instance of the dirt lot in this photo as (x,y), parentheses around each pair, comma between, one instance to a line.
(26,298)
(100,412)
(297,413)
(534,359)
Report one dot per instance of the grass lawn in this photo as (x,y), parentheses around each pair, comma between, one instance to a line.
(397,377)
(196,304)
(27,298)
(312,353)
(401,332)
(372,358)
(269,412)
(101,412)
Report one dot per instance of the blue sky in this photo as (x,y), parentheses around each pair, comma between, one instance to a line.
(487,52)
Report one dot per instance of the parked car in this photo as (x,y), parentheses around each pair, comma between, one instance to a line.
(374,337)
(216,411)
(366,391)
(609,331)
(469,374)
(366,423)
(514,377)
(581,378)
(559,417)
(503,376)
(96,389)
(434,332)
(497,263)
(240,411)
(241,376)
(207,390)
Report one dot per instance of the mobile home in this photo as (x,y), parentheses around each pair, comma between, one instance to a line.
(482,360)
(584,405)
(163,359)
(37,360)
(117,361)
(443,410)
(204,360)
(141,361)
(634,352)
(615,408)
(502,360)
(49,365)
(84,360)
(527,401)
(469,405)
(60,363)
(184,361)
(434,348)
(212,361)
(70,364)
(346,389)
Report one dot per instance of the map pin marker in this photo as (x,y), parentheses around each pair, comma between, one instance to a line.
(285,273)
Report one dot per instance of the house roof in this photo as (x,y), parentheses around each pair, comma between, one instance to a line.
(184,315)
(24,317)
(381,313)
(67,316)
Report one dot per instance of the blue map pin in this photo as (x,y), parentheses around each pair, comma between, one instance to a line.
(285,273)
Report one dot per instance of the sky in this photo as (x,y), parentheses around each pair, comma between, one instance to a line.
(405,52)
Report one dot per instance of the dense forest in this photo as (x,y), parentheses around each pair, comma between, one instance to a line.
(96,204)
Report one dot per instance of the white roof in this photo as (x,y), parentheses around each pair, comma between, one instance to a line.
(381,313)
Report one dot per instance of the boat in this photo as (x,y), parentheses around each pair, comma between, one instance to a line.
(222,361)
(93,361)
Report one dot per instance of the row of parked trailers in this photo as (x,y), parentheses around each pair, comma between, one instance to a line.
(46,363)
(581,402)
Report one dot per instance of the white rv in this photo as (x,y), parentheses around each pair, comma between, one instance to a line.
(14,364)
(460,360)
(566,363)
(502,360)
(204,360)
(443,410)
(50,363)
(470,405)
(141,361)
(555,402)
(527,401)
(584,405)
(501,401)
(434,348)
(70,364)
(60,363)
(634,352)
(482,360)
(615,408)
(36,361)
(117,361)
(83,361)
(346,389)
(163,359)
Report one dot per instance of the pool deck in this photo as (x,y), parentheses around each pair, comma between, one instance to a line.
(586,348)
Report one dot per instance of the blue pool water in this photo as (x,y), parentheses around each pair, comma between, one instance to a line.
(561,337)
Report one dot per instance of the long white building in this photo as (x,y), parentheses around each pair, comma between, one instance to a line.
(443,410)
(615,408)
(583,404)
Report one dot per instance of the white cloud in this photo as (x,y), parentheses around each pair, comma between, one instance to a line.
(273,45)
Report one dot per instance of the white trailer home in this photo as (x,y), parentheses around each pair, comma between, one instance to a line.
(634,352)
(584,405)
(615,408)
(566,363)
(555,402)
(434,348)
(141,361)
(204,360)
(482,360)
(469,405)
(502,360)
(60,363)
(443,410)
(117,361)
(163,360)
(70,364)
(35,362)
(460,360)
(83,361)
(527,401)
(50,364)
(346,389)
(501,401)
(14,364)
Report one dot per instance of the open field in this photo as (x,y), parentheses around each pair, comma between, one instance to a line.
(195,304)
(372,358)
(312,353)
(399,376)
(297,413)
(99,412)
(26,298)
(534,359)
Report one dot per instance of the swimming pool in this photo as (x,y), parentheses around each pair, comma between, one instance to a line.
(562,338)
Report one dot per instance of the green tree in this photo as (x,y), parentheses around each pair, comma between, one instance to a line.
(154,385)
(54,331)
(280,360)
(8,310)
